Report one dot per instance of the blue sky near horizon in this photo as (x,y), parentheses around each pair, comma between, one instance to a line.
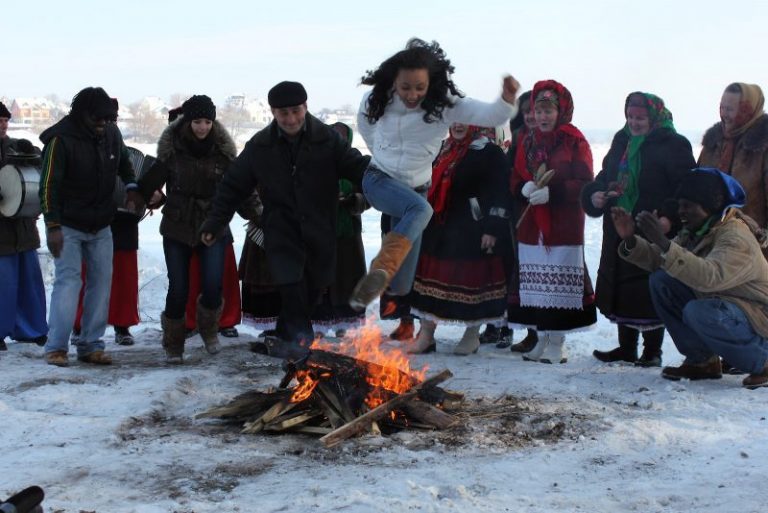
(686,52)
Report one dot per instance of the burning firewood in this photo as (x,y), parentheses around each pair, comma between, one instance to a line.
(340,396)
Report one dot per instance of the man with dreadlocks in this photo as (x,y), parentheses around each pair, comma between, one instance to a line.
(710,283)
(82,157)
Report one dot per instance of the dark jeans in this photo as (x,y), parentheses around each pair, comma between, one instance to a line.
(177,257)
(297,301)
(702,328)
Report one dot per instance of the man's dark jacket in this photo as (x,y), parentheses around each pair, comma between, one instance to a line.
(78,176)
(17,234)
(299,188)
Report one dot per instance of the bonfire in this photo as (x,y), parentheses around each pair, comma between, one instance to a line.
(344,388)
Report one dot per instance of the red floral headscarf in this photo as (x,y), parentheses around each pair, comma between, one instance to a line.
(537,146)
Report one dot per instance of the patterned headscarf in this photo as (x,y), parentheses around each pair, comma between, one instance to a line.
(750,110)
(451,153)
(537,146)
(630,164)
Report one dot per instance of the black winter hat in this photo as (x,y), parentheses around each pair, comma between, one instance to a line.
(712,189)
(4,112)
(174,113)
(199,107)
(705,189)
(93,101)
(286,94)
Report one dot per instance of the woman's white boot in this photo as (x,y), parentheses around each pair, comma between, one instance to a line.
(535,354)
(555,350)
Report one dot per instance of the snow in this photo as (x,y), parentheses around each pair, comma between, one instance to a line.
(583,436)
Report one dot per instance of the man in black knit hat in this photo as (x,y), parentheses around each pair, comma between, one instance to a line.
(710,284)
(82,157)
(296,163)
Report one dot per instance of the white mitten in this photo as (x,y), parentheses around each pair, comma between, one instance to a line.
(528,189)
(540,196)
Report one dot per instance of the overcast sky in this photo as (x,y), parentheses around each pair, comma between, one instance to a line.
(684,51)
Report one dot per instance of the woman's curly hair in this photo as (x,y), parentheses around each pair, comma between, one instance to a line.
(418,54)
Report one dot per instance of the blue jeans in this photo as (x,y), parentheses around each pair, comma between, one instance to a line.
(96,250)
(410,213)
(177,257)
(22,296)
(702,328)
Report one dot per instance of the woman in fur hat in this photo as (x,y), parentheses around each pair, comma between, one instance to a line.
(193,153)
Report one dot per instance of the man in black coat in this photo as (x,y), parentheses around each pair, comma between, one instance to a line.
(82,158)
(22,294)
(295,163)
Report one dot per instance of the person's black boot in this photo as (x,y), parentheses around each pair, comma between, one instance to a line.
(627,350)
(618,354)
(651,356)
(489,335)
(527,344)
(505,338)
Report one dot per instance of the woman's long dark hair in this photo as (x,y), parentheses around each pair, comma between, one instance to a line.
(418,54)
(519,119)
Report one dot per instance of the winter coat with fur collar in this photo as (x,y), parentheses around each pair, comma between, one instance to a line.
(749,166)
(190,171)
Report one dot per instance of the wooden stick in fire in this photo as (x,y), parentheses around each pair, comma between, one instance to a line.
(362,422)
(542,179)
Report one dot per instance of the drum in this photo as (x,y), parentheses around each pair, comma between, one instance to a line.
(19,185)
(141,164)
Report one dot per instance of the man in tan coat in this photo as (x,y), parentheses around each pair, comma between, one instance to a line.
(710,284)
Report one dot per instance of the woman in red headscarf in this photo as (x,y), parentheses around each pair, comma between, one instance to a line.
(738,145)
(555,293)
(460,274)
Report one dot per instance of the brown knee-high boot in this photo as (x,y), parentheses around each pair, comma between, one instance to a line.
(173,338)
(394,249)
(208,326)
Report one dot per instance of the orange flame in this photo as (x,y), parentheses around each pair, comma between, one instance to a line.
(307,385)
(391,368)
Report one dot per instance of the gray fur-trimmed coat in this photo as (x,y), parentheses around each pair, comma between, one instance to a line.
(190,179)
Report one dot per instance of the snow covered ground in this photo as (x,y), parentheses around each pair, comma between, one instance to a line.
(583,436)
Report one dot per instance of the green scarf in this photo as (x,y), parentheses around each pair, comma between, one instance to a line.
(344,226)
(630,164)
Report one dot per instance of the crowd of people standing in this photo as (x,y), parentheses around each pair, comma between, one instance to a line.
(472,236)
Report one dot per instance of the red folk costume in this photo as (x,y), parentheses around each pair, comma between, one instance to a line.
(457,280)
(555,292)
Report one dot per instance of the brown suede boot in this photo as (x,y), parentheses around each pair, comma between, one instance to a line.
(173,338)
(208,326)
(394,249)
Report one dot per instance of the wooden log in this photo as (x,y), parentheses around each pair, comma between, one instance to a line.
(363,422)
(339,405)
(286,422)
(313,430)
(277,409)
(245,405)
(452,401)
(425,413)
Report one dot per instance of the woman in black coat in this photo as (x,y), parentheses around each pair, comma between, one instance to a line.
(460,274)
(641,171)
